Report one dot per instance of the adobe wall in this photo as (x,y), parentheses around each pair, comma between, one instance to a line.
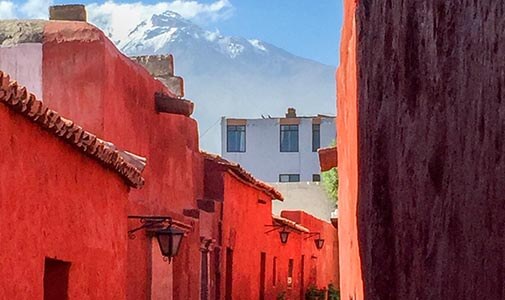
(56,202)
(244,220)
(429,152)
(244,227)
(351,283)
(321,266)
(86,78)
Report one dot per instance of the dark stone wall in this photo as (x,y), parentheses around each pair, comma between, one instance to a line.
(431,130)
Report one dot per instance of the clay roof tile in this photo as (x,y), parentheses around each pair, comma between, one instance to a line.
(245,176)
(18,99)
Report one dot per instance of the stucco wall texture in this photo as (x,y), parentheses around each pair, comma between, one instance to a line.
(421,126)
(244,226)
(86,79)
(115,97)
(57,203)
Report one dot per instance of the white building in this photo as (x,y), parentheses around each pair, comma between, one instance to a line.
(307,196)
(278,149)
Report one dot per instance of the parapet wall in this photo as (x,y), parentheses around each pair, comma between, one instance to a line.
(421,139)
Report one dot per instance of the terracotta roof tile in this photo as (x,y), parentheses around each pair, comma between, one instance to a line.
(290,223)
(18,99)
(245,176)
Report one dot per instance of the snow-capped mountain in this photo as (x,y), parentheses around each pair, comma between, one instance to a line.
(233,76)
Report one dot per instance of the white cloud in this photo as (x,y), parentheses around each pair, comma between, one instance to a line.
(7,10)
(118,19)
(36,9)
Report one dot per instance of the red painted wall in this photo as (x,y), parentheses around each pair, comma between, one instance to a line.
(244,226)
(351,283)
(55,202)
(87,79)
(326,259)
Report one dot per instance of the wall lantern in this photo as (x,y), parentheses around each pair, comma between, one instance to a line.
(169,240)
(319,242)
(283,234)
(168,236)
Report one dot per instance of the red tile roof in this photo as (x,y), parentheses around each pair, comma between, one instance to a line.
(244,176)
(289,223)
(18,99)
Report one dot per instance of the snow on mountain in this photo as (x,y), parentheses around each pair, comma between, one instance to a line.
(233,76)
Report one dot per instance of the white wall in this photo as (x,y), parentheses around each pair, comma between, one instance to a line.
(307,196)
(263,157)
(23,62)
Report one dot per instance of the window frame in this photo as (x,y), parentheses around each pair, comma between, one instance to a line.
(314,176)
(228,138)
(289,129)
(289,178)
(318,130)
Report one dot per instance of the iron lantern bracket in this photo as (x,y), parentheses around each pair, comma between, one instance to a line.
(312,234)
(275,227)
(149,222)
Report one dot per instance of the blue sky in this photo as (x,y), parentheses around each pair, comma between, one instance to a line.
(308,28)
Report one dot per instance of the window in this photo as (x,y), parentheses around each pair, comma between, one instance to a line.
(263,266)
(235,138)
(289,178)
(56,279)
(289,138)
(316,177)
(316,137)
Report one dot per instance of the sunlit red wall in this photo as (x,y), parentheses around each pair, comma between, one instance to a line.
(88,80)
(321,266)
(56,202)
(244,227)
(351,282)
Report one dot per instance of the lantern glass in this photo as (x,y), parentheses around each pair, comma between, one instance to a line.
(170,241)
(284,236)
(319,243)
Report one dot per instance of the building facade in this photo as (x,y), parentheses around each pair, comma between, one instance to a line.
(278,149)
(79,215)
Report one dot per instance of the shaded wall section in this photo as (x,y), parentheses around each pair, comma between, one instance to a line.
(431,122)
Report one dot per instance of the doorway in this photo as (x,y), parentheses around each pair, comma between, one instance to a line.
(263,267)
(56,279)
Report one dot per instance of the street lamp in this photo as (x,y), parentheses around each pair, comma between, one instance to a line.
(169,240)
(169,237)
(284,234)
(319,242)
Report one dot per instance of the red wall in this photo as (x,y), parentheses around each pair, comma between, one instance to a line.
(244,227)
(56,202)
(347,146)
(325,260)
(88,80)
